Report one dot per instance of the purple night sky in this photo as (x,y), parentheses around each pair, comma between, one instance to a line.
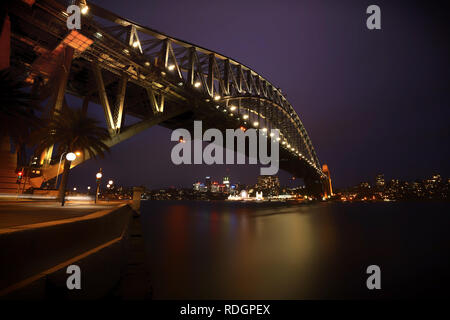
(371,101)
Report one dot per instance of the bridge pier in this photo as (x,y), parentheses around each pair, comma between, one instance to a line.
(57,99)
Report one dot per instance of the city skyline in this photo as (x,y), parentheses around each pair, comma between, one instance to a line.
(379,180)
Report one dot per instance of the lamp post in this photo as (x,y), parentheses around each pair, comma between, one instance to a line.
(77,154)
(98,176)
(62,189)
(59,166)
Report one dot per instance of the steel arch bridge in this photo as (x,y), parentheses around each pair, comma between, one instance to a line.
(130,69)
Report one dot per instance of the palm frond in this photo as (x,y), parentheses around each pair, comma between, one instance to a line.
(72,130)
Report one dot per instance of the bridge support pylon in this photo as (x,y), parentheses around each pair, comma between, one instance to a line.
(57,98)
(327,188)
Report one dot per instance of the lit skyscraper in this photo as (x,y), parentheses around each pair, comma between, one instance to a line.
(208,183)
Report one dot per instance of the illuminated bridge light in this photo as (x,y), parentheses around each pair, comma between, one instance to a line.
(264,129)
(197,84)
(245,116)
(147,63)
(217,97)
(278,139)
(232,108)
(171,67)
(284,142)
(272,134)
(135,44)
(255,124)
(84,10)
(77,41)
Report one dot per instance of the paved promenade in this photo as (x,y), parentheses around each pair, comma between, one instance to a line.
(39,239)
(17,213)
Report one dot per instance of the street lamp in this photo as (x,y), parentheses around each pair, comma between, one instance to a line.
(70,156)
(98,176)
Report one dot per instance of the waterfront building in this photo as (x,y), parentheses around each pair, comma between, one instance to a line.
(270,185)
(226,182)
(215,187)
(208,183)
(198,186)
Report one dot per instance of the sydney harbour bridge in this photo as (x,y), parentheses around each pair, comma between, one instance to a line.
(131,70)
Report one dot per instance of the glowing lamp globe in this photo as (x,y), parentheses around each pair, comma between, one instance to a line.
(71,156)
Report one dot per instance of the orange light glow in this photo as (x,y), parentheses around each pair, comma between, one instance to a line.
(77,41)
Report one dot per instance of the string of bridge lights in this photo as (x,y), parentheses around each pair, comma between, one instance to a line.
(198,84)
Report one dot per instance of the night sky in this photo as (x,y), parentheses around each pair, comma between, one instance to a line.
(372,101)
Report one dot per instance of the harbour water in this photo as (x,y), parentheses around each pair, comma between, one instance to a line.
(235,250)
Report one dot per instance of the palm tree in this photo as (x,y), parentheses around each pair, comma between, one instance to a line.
(17,110)
(71,130)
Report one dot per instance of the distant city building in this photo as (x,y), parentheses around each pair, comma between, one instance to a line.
(436,178)
(379,181)
(364,185)
(223,188)
(198,186)
(434,188)
(215,187)
(270,185)
(208,183)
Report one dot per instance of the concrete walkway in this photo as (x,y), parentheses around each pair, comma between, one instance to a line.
(18,213)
